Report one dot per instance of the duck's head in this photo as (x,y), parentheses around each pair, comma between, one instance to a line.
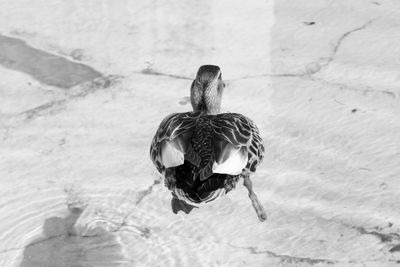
(206,90)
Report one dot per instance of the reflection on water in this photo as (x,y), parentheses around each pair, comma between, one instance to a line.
(47,68)
(62,246)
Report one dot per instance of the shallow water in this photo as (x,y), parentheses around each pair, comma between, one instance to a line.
(77,185)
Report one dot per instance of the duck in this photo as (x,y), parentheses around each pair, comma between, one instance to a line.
(203,154)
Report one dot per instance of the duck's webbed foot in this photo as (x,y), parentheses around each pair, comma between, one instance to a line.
(177,205)
(262,216)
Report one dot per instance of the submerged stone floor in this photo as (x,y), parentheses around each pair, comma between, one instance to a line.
(84,85)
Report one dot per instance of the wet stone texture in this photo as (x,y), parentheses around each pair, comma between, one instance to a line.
(61,246)
(319,78)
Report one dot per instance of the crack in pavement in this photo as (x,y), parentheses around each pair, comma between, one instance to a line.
(286,258)
(105,81)
(149,71)
(311,261)
(141,195)
(391,239)
(365,90)
(34,112)
(322,63)
(267,75)
(319,65)
(385,238)
(292,259)
(79,92)
(144,193)
(245,77)
(325,61)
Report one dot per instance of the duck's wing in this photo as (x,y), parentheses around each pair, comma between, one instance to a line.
(170,142)
(240,144)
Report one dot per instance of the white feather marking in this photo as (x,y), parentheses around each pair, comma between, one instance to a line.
(171,154)
(232,161)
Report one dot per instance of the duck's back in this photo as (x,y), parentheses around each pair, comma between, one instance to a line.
(206,153)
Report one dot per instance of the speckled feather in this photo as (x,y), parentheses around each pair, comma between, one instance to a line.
(234,128)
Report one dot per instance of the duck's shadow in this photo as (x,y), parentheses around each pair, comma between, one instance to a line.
(61,246)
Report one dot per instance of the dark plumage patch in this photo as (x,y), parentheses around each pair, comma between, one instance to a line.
(201,133)
(198,190)
(179,205)
(253,166)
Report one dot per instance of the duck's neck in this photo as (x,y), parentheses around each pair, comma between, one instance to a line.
(205,98)
(207,107)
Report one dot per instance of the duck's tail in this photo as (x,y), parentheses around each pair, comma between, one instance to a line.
(177,205)
(194,191)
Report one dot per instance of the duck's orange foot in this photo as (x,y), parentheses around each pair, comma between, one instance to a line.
(177,205)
